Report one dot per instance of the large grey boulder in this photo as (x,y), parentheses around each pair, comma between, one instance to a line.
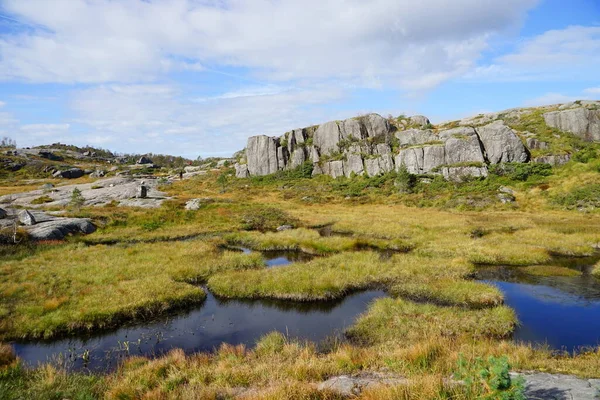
(58,228)
(353,128)
(461,145)
(144,160)
(580,121)
(459,174)
(26,218)
(334,169)
(419,120)
(421,160)
(376,126)
(326,138)
(72,173)
(297,158)
(412,137)
(261,152)
(353,164)
(501,144)
(554,159)
(241,170)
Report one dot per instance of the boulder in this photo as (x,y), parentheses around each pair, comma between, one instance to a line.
(26,218)
(353,164)
(377,126)
(534,144)
(59,228)
(459,174)
(353,128)
(98,174)
(334,169)
(353,385)
(241,170)
(412,137)
(144,160)
(141,192)
(421,160)
(461,145)
(284,228)
(554,160)
(72,173)
(298,158)
(501,144)
(195,204)
(50,156)
(326,138)
(580,121)
(419,120)
(261,152)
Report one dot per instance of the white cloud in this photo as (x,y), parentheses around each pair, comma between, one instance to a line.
(125,117)
(567,54)
(410,44)
(593,91)
(550,99)
(2,104)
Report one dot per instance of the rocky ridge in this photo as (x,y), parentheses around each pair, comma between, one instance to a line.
(372,145)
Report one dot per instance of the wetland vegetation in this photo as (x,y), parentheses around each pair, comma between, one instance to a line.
(418,283)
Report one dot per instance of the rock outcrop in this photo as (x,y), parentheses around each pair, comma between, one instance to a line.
(373,145)
(580,121)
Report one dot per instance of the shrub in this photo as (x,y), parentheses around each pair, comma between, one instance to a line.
(405,181)
(521,171)
(42,200)
(266,218)
(77,199)
(585,155)
(586,196)
(490,379)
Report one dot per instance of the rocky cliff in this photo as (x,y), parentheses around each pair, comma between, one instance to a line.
(373,145)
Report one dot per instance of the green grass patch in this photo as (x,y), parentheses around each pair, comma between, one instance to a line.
(76,288)
(549,270)
(399,320)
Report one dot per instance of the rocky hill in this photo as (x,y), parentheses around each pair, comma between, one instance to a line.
(372,145)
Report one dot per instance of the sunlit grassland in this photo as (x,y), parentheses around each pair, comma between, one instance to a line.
(310,241)
(549,270)
(424,278)
(73,287)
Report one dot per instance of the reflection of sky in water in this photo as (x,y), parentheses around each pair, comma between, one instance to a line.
(550,316)
(206,328)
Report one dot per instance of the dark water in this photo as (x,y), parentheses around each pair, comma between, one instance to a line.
(561,312)
(279,258)
(204,329)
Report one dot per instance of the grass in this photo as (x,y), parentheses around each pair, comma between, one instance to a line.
(596,270)
(550,270)
(334,276)
(310,241)
(72,287)
(398,320)
(434,313)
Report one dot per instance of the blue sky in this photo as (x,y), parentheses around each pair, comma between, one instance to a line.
(197,77)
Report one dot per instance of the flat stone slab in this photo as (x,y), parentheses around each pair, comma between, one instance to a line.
(123,190)
(540,385)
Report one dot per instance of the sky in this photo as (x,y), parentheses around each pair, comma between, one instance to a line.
(198,77)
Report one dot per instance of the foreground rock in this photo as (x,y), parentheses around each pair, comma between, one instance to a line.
(349,386)
(541,385)
(124,191)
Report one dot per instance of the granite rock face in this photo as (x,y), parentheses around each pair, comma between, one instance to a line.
(373,145)
(581,121)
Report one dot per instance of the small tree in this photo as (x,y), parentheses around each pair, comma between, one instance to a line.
(222,180)
(8,142)
(77,199)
